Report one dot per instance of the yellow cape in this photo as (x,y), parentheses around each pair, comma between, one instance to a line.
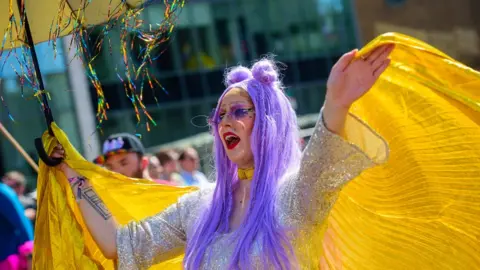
(418,211)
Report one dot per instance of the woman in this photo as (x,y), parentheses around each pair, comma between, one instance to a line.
(266,192)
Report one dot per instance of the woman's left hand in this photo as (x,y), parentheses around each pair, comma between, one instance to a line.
(349,80)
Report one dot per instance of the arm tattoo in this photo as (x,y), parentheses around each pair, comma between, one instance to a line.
(92,198)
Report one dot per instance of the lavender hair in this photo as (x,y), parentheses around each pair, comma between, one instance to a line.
(275,122)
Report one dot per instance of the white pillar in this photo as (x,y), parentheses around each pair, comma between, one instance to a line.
(81,98)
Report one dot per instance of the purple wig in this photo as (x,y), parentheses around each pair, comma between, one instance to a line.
(276,152)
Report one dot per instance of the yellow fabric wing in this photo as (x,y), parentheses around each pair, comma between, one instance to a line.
(421,209)
(418,211)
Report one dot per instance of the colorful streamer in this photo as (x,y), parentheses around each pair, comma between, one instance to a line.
(26,74)
(136,75)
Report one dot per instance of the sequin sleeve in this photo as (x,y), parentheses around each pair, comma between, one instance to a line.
(329,162)
(141,244)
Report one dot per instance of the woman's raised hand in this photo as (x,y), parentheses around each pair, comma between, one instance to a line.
(350,79)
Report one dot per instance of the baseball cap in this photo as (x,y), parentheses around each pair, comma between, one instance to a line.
(120,143)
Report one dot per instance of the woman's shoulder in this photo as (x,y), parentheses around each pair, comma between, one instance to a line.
(194,201)
(197,196)
(191,205)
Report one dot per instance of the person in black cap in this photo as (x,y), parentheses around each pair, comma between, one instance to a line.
(123,153)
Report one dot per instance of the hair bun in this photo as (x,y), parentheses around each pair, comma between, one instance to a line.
(265,71)
(237,74)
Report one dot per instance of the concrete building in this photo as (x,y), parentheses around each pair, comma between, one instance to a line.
(452,26)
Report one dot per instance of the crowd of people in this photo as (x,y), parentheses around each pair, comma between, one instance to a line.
(123,153)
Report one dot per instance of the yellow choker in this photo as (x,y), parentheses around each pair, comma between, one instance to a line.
(245,174)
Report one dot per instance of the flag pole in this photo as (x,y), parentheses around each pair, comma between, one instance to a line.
(18,147)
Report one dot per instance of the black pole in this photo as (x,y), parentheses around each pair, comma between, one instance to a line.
(28,35)
(46,108)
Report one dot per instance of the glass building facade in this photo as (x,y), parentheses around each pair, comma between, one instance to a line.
(307,36)
(28,120)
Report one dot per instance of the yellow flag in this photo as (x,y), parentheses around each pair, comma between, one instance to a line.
(62,240)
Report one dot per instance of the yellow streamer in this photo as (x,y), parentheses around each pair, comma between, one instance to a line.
(418,211)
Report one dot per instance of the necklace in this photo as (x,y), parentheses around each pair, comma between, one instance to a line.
(246,174)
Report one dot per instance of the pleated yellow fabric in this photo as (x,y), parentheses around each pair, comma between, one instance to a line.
(421,210)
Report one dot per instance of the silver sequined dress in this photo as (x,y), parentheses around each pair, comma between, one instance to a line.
(328,163)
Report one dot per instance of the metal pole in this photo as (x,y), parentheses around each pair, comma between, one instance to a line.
(28,35)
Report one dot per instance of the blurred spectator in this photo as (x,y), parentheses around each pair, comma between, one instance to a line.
(169,162)
(303,143)
(189,163)
(16,180)
(15,228)
(154,169)
(124,153)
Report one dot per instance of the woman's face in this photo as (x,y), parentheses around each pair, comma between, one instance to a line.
(236,116)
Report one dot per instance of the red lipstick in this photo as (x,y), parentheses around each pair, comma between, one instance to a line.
(231,140)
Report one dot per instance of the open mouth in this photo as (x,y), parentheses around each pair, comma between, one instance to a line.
(231,140)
